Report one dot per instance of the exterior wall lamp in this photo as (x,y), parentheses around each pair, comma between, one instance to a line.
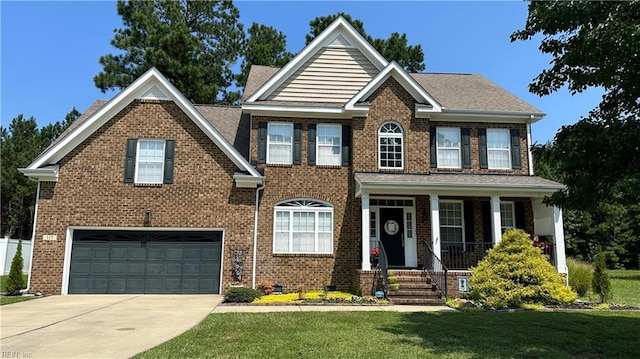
(147,217)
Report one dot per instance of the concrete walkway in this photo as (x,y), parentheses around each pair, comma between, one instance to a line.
(120,326)
(98,326)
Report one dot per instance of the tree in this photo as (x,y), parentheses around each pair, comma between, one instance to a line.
(515,272)
(265,46)
(193,43)
(601,283)
(395,48)
(15,281)
(20,143)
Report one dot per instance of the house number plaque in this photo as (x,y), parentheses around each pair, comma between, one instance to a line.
(391,227)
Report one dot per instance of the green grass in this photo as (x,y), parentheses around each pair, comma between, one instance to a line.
(626,286)
(523,334)
(11,300)
(3,280)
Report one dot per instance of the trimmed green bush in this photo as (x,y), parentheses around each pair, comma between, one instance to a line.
(241,295)
(601,282)
(580,276)
(514,273)
(15,281)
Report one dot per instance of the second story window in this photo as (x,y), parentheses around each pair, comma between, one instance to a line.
(279,143)
(390,146)
(448,147)
(498,150)
(329,142)
(149,161)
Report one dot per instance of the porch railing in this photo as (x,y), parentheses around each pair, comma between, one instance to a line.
(457,255)
(436,269)
(383,265)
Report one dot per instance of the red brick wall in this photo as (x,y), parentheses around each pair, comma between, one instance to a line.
(90,190)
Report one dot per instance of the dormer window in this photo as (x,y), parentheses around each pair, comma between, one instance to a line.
(390,151)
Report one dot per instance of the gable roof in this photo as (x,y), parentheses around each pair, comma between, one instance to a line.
(152,84)
(340,32)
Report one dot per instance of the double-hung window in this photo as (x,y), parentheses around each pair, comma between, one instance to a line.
(507,216)
(448,147)
(303,226)
(280,143)
(390,146)
(150,161)
(329,142)
(498,150)
(451,224)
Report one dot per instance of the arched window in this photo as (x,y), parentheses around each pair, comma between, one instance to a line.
(303,226)
(390,146)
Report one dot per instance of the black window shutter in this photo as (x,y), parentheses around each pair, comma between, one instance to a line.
(169,156)
(262,142)
(518,207)
(516,160)
(466,147)
(311,147)
(482,144)
(130,160)
(434,154)
(486,221)
(297,143)
(346,145)
(468,222)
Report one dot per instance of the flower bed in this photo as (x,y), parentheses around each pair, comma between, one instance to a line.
(316,297)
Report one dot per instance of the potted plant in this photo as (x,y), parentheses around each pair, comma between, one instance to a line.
(374,253)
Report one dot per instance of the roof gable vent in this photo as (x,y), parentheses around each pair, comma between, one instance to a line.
(340,41)
(154,93)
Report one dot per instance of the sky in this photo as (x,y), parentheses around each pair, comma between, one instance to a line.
(49,50)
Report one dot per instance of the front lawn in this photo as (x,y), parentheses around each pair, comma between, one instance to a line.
(11,300)
(625,286)
(523,334)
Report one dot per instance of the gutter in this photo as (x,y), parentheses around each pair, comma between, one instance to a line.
(255,236)
(33,239)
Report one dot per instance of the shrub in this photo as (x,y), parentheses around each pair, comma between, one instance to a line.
(580,276)
(301,292)
(601,282)
(241,295)
(514,273)
(265,286)
(15,281)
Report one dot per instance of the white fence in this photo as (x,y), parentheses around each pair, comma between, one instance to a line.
(8,249)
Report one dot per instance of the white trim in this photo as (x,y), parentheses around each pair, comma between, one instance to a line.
(247,181)
(44,174)
(366,240)
(558,236)
(449,148)
(410,247)
(288,124)
(407,82)
(391,135)
(434,205)
(492,116)
(152,77)
(496,225)
(33,237)
(326,208)
(339,127)
(462,226)
(137,164)
(529,154)
(513,214)
(339,27)
(304,111)
(508,149)
(66,267)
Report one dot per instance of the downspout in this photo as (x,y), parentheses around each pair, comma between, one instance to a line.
(33,239)
(255,236)
(529,144)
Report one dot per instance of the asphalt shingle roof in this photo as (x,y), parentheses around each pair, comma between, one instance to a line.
(458,179)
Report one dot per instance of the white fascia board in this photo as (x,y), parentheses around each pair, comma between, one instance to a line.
(406,81)
(303,111)
(45,174)
(457,189)
(490,116)
(106,112)
(248,181)
(339,27)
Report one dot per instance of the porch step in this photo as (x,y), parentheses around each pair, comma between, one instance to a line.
(415,288)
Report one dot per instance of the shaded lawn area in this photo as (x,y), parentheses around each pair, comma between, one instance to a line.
(523,334)
(625,286)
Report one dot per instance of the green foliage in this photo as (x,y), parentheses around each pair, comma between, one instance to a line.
(601,282)
(15,281)
(580,276)
(395,48)
(241,295)
(193,43)
(264,46)
(514,273)
(20,143)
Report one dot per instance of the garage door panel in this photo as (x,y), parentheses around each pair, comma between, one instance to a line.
(145,262)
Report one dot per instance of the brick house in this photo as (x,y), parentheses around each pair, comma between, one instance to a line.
(335,154)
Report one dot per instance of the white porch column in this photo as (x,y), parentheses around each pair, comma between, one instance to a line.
(435,224)
(366,261)
(558,236)
(496,227)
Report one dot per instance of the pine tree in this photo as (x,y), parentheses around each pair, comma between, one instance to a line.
(601,283)
(15,282)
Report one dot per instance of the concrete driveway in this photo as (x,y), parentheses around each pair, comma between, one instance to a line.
(98,326)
